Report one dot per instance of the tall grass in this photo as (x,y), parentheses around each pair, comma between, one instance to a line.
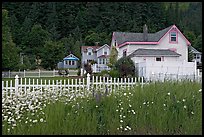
(157,108)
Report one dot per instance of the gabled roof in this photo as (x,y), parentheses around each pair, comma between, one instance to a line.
(105,45)
(71,57)
(133,37)
(84,48)
(153,52)
(193,50)
(124,38)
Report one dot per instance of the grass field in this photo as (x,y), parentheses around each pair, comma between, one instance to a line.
(157,108)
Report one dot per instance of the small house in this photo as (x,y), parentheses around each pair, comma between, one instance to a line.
(70,61)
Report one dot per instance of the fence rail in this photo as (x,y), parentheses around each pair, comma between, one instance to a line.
(97,82)
(38,73)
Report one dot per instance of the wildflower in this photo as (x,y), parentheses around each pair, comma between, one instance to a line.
(124,94)
(117,128)
(144,103)
(200,90)
(152,102)
(121,121)
(41,120)
(96,106)
(164,105)
(125,129)
(130,105)
(192,112)
(123,116)
(128,127)
(184,100)
(117,110)
(168,93)
(184,107)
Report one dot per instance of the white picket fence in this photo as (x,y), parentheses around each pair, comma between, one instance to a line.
(98,82)
(37,73)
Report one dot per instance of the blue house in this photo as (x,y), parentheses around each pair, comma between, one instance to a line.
(69,61)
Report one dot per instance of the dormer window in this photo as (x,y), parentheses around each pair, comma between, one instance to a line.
(173,37)
(89,51)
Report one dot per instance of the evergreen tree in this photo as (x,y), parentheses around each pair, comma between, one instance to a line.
(10,57)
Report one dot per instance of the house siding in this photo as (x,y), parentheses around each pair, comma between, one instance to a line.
(181,47)
(86,57)
(101,51)
(153,59)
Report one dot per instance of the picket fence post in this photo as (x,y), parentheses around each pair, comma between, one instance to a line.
(16,84)
(88,81)
(39,73)
(24,73)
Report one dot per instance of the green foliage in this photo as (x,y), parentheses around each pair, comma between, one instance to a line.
(52,54)
(88,68)
(104,73)
(198,43)
(10,57)
(114,73)
(83,23)
(113,57)
(125,66)
(155,109)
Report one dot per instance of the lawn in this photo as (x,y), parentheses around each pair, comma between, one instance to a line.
(158,108)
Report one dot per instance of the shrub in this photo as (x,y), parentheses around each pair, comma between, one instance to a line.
(88,68)
(114,73)
(125,66)
(104,73)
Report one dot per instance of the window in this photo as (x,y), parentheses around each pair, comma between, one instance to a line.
(89,53)
(124,53)
(158,58)
(104,61)
(100,61)
(73,62)
(70,62)
(105,53)
(115,43)
(173,37)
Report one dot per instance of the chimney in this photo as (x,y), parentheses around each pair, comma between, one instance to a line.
(96,43)
(145,32)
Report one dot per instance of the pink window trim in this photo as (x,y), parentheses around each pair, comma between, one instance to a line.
(173,42)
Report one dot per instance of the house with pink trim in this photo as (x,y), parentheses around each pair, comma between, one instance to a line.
(165,51)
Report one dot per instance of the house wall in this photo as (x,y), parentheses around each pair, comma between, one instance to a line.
(153,59)
(101,51)
(71,66)
(180,69)
(181,47)
(86,57)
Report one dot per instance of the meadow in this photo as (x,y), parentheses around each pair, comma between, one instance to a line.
(158,108)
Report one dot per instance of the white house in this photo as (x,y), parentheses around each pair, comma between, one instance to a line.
(98,55)
(163,52)
(196,55)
